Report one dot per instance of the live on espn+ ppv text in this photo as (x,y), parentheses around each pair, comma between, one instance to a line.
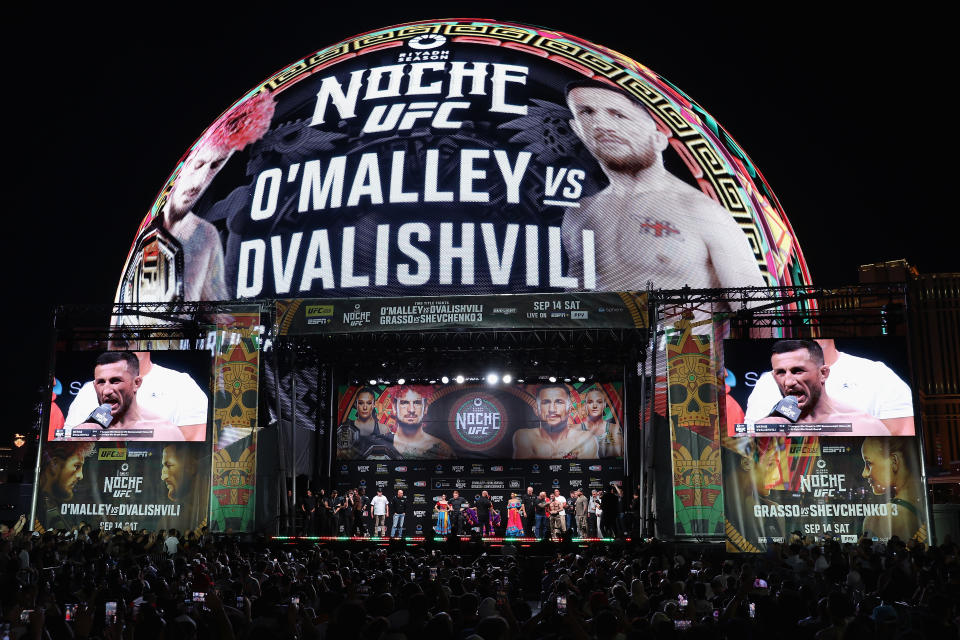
(460,157)
(474,421)
(127,444)
(820,442)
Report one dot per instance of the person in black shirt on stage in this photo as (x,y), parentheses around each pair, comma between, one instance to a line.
(483,505)
(529,500)
(308,510)
(456,505)
(324,514)
(398,507)
(610,506)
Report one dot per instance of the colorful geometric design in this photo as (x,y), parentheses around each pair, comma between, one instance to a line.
(694,434)
(235,391)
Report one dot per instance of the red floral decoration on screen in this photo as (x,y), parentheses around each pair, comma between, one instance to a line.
(244,124)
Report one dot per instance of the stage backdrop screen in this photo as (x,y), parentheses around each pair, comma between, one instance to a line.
(862,387)
(127,443)
(473,421)
(460,156)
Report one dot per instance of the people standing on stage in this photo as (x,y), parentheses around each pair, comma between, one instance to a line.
(541,508)
(442,511)
(360,513)
(308,509)
(565,514)
(553,438)
(515,515)
(599,511)
(345,512)
(592,504)
(580,510)
(381,510)
(558,520)
(457,503)
(325,509)
(483,505)
(399,507)
(529,500)
(610,504)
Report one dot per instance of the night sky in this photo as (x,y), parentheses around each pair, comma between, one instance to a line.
(841,113)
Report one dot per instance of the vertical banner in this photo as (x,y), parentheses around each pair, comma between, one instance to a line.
(694,434)
(235,391)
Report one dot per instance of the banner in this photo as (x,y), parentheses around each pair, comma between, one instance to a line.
(460,157)
(473,421)
(694,434)
(235,393)
(840,487)
(544,311)
(113,485)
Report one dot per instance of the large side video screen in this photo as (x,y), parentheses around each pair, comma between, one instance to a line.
(843,488)
(127,444)
(124,395)
(475,421)
(822,387)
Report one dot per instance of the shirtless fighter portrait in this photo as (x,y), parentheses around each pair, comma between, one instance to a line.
(799,371)
(554,438)
(649,225)
(410,440)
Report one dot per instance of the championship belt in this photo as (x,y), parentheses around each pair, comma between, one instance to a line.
(155,272)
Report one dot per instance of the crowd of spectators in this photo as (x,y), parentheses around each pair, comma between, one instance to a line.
(89,583)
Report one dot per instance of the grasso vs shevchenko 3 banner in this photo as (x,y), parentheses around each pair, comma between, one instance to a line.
(841,487)
(461,156)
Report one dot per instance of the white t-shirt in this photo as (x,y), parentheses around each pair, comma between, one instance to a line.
(379,504)
(172,395)
(868,385)
(171,544)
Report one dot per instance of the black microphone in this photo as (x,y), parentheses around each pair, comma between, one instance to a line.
(788,408)
(101,416)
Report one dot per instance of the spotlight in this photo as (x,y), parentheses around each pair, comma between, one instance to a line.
(581,379)
(507,378)
(444,379)
(566,379)
(552,378)
(401,380)
(492,378)
(459,379)
(373,382)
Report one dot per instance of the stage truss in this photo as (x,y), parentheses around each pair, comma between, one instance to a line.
(865,310)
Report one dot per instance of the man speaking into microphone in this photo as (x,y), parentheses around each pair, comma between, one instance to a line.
(116,378)
(806,409)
